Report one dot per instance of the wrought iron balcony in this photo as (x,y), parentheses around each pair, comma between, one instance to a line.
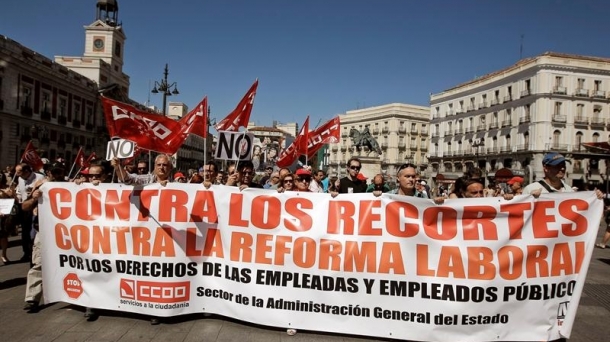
(493,125)
(596,121)
(559,118)
(26,111)
(508,98)
(526,92)
(470,108)
(402,130)
(506,123)
(581,92)
(375,130)
(524,119)
(483,104)
(450,112)
(469,129)
(581,120)
(481,127)
(600,94)
(414,131)
(413,147)
(559,90)
(559,147)
(334,148)
(494,102)
(385,130)
(344,134)
(424,133)
(45,115)
(436,134)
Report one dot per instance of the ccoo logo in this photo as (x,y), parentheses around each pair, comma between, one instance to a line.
(128,289)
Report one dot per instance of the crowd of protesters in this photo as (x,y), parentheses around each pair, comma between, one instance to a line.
(22,183)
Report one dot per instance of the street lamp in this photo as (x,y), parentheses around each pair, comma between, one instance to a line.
(165,88)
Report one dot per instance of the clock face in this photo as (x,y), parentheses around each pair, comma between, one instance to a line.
(98,44)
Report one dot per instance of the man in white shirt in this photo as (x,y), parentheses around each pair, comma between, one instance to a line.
(26,178)
(316,183)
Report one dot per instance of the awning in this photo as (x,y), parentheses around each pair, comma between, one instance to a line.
(505,131)
(597,147)
(480,135)
(492,133)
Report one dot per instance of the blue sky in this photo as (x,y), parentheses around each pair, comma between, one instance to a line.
(315,57)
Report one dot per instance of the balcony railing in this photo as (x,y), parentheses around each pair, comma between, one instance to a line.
(424,132)
(560,90)
(559,147)
(506,123)
(45,115)
(450,112)
(413,147)
(469,129)
(414,131)
(559,118)
(402,130)
(524,119)
(578,170)
(344,134)
(483,104)
(384,145)
(596,121)
(423,147)
(470,108)
(481,127)
(343,148)
(459,131)
(436,134)
(523,147)
(493,150)
(494,102)
(385,130)
(581,120)
(334,148)
(26,111)
(600,94)
(526,92)
(505,149)
(493,125)
(581,92)
(508,98)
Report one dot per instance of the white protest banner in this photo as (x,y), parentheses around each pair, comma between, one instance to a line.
(396,267)
(120,148)
(6,205)
(234,146)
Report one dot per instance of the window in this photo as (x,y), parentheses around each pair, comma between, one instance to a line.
(580,111)
(526,140)
(424,128)
(556,139)
(578,140)
(581,83)
(597,85)
(45,103)
(509,92)
(63,104)
(527,109)
(117,49)
(595,137)
(557,108)
(558,81)
(26,94)
(461,109)
(77,112)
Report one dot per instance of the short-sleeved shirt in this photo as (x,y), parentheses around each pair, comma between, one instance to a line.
(536,185)
(356,186)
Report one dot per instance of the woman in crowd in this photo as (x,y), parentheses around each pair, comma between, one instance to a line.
(302,180)
(286,183)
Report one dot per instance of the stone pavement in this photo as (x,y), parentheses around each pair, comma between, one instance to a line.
(64,322)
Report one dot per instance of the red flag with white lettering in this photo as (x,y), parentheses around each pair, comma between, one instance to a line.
(149,131)
(31,157)
(297,148)
(327,133)
(240,116)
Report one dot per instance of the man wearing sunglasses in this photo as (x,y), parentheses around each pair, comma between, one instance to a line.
(350,183)
(161,173)
(142,168)
(245,175)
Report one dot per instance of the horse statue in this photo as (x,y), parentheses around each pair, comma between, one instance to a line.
(364,139)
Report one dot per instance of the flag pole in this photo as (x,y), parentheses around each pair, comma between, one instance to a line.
(74,163)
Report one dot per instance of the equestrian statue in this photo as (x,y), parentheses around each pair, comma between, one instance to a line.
(364,138)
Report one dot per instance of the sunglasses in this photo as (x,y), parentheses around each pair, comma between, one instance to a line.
(142,168)
(355,168)
(94,175)
(288,180)
(304,179)
(247,173)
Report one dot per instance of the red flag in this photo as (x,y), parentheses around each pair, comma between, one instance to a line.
(327,133)
(298,147)
(152,132)
(31,157)
(91,158)
(197,119)
(80,158)
(240,116)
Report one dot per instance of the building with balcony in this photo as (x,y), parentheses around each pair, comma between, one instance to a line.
(400,130)
(55,107)
(512,117)
(55,103)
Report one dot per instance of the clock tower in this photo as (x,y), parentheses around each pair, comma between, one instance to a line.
(104,46)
